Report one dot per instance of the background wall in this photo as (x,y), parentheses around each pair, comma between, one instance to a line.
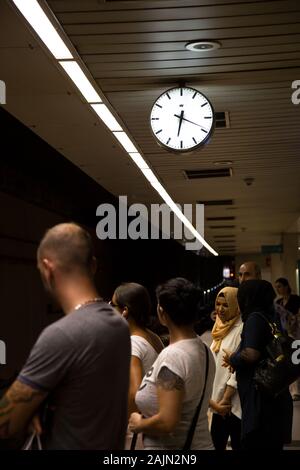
(38,189)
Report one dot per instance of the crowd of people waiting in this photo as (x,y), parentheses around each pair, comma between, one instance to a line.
(100,374)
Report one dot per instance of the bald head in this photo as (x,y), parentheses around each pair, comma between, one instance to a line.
(69,246)
(249,270)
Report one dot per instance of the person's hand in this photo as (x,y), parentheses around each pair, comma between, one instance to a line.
(35,425)
(225,406)
(220,408)
(134,422)
(226,360)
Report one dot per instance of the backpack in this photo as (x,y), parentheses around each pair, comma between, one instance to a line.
(276,372)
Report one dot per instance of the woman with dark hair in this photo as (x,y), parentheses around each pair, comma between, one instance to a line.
(171,391)
(133,302)
(266,421)
(289,301)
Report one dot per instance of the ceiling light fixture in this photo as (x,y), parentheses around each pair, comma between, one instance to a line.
(173,206)
(126,143)
(223,162)
(83,84)
(138,160)
(106,116)
(39,21)
(202,46)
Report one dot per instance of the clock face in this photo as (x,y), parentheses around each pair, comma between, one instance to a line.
(182,119)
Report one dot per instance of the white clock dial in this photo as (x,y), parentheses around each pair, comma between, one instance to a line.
(182,119)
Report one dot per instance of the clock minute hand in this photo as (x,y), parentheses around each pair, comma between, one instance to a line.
(180,122)
(192,122)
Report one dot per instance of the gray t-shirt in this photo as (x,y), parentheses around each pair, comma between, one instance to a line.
(83,362)
(187,359)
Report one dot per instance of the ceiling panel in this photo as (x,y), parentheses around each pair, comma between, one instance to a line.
(135,50)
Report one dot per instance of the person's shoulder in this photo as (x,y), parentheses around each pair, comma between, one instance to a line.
(259,322)
(169,353)
(55,333)
(184,351)
(139,342)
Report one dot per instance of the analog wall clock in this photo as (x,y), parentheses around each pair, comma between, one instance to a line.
(182,119)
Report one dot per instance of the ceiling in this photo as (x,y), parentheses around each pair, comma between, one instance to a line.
(135,50)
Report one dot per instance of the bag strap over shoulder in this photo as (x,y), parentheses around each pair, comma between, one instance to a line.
(274,328)
(191,432)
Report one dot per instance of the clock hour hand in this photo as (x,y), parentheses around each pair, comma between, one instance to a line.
(180,122)
(192,122)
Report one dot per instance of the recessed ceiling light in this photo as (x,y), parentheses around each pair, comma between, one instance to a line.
(202,46)
(223,162)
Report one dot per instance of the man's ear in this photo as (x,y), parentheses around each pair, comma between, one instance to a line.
(46,265)
(47,269)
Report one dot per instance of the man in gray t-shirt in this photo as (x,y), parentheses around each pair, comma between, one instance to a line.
(79,365)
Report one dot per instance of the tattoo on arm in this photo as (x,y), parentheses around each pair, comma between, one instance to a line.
(18,394)
(168,380)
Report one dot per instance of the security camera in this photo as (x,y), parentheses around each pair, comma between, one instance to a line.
(249,181)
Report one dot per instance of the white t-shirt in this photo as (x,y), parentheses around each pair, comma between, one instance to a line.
(223,377)
(142,349)
(186,358)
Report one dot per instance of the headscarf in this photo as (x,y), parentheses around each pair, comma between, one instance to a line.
(220,329)
(256,296)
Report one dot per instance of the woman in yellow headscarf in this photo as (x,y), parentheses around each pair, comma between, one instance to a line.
(225,402)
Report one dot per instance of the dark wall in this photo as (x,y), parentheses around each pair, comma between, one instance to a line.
(40,188)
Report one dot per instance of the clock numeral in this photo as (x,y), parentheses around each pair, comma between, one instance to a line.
(203,105)
(181,91)
(154,119)
(158,131)
(194,140)
(181,144)
(207,117)
(168,96)
(158,105)
(194,95)
(168,140)
(204,130)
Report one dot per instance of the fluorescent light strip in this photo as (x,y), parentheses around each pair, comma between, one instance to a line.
(165,196)
(79,78)
(125,142)
(138,160)
(39,21)
(106,116)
